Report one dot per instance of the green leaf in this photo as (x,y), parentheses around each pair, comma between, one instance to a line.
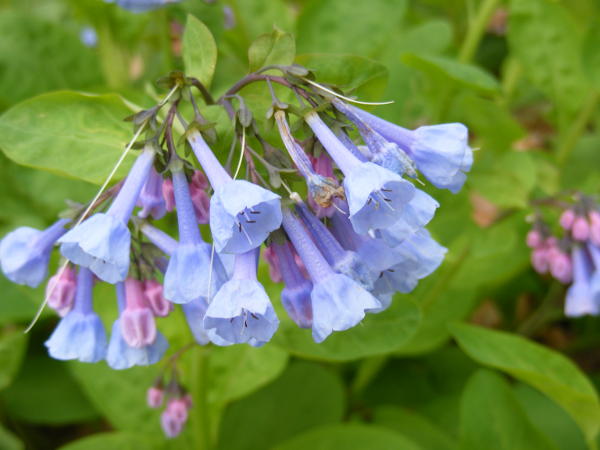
(349,437)
(492,418)
(550,418)
(544,369)
(68,133)
(9,441)
(199,51)
(236,371)
(591,55)
(276,47)
(546,42)
(38,56)
(113,441)
(444,68)
(377,334)
(45,393)
(13,343)
(364,28)
(415,427)
(364,77)
(305,396)
(506,181)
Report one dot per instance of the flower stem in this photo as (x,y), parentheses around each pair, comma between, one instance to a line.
(476,30)
(572,134)
(200,418)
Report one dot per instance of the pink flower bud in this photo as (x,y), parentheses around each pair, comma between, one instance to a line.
(534,239)
(187,398)
(201,202)
(594,217)
(168,194)
(178,408)
(539,260)
(561,267)
(160,306)
(60,291)
(271,259)
(137,321)
(580,229)
(154,397)
(199,181)
(567,218)
(170,425)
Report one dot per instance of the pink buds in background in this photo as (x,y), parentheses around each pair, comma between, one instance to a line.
(60,290)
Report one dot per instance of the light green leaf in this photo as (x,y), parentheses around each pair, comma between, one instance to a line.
(305,396)
(349,437)
(591,54)
(276,47)
(445,68)
(199,51)
(68,133)
(236,371)
(415,427)
(492,418)
(548,371)
(547,44)
(362,28)
(114,441)
(13,343)
(45,393)
(9,441)
(377,334)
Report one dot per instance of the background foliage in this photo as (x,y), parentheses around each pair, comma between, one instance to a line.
(479,356)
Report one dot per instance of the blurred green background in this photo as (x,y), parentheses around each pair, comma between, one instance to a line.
(454,365)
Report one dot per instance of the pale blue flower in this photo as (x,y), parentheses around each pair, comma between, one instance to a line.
(25,252)
(580,299)
(80,334)
(241,311)
(140,6)
(101,243)
(151,198)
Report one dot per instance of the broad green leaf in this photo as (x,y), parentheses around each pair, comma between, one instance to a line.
(45,393)
(199,51)
(548,371)
(119,395)
(591,54)
(550,418)
(506,181)
(415,427)
(492,418)
(236,371)
(364,77)
(363,28)
(9,441)
(68,133)
(13,343)
(445,68)
(349,437)
(305,396)
(114,441)
(255,17)
(276,47)
(377,334)
(547,44)
(37,56)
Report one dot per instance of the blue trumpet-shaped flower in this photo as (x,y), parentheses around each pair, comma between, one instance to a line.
(120,355)
(242,214)
(376,196)
(441,152)
(25,252)
(338,302)
(241,311)
(101,243)
(190,273)
(139,6)
(583,296)
(80,334)
(151,197)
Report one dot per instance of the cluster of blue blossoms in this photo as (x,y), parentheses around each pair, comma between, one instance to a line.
(359,238)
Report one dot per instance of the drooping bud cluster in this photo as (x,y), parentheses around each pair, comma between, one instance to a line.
(177,404)
(342,250)
(573,258)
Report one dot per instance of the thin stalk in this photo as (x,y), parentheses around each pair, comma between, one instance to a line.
(476,30)
(574,132)
(200,418)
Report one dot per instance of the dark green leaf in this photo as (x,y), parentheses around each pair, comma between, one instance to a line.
(13,343)
(544,369)
(114,441)
(199,51)
(591,54)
